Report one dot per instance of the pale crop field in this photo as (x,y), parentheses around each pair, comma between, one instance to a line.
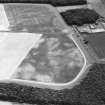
(4,24)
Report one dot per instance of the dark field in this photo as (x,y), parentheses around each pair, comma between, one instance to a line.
(96,41)
(80,17)
(51,2)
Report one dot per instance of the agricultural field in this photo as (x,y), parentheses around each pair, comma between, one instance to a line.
(56,59)
(52,53)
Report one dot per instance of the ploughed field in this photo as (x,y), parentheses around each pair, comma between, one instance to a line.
(55,59)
